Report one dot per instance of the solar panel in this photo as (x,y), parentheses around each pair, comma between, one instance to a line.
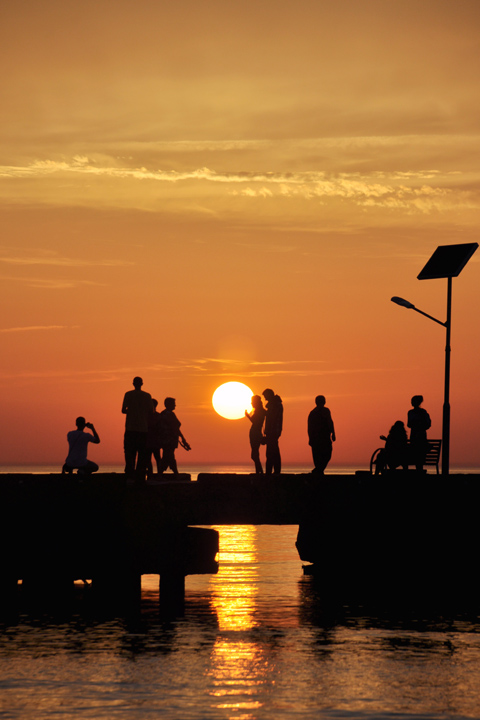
(447,261)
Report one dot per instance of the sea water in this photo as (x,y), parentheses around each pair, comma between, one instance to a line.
(257,640)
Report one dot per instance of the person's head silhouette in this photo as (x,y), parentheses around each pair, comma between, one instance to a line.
(268,394)
(169,403)
(80,422)
(137,383)
(320,401)
(417,400)
(257,401)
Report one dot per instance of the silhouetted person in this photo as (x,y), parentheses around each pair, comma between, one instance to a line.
(154,439)
(273,430)
(171,435)
(257,418)
(321,434)
(77,448)
(137,406)
(396,446)
(418,422)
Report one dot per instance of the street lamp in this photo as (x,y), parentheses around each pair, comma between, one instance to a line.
(446,262)
(411,306)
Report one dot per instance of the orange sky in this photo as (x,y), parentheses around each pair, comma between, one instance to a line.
(198,192)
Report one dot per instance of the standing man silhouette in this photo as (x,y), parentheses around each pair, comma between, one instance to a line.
(137,406)
(321,434)
(273,430)
(418,422)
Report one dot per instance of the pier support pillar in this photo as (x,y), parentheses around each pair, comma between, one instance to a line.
(118,589)
(8,592)
(133,588)
(172,593)
(54,590)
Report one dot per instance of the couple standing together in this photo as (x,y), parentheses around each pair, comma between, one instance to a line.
(267,424)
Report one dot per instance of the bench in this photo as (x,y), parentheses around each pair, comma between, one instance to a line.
(432,456)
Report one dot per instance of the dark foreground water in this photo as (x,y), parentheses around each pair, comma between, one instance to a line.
(258,640)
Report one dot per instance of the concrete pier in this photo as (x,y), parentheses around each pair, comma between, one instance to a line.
(57,529)
(399,536)
(392,531)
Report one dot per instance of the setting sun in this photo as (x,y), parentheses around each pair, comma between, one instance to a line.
(231,399)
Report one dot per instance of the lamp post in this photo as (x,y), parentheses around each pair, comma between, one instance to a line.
(446,394)
(446,262)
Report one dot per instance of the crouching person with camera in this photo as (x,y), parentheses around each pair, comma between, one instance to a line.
(78,445)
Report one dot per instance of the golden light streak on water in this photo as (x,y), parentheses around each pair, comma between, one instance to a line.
(238,665)
(239,672)
(235,588)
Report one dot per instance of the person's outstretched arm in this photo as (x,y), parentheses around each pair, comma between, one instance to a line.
(96,439)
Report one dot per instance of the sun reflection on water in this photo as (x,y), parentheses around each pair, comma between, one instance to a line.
(237,675)
(238,665)
(235,587)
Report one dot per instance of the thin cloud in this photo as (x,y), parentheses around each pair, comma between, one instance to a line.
(157,372)
(413,191)
(93,375)
(347,184)
(209,367)
(51,284)
(36,328)
(301,373)
(189,146)
(367,143)
(203,363)
(61,261)
(268,248)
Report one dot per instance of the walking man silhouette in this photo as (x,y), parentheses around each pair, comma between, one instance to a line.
(321,434)
(171,435)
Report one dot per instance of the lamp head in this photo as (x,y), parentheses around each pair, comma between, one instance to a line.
(403,303)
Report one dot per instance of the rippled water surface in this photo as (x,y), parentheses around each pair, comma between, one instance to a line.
(258,640)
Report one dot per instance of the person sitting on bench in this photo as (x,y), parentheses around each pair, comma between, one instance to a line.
(395,452)
(396,446)
(78,444)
